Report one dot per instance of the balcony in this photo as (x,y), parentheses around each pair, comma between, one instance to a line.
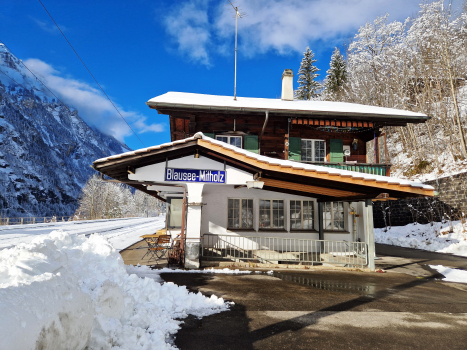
(366,168)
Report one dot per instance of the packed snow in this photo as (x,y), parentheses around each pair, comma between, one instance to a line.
(451,275)
(68,291)
(121,232)
(436,237)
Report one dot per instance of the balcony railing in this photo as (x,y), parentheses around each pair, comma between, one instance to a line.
(367,168)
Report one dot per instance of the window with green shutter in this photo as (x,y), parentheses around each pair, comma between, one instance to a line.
(209,134)
(336,151)
(295,148)
(251,143)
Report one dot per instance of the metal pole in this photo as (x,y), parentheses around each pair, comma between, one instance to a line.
(235,79)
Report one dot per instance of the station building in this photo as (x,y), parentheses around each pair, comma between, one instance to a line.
(269,180)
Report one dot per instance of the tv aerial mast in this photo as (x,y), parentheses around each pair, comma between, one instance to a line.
(237,15)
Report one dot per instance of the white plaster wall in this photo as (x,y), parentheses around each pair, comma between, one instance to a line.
(156,172)
(214,215)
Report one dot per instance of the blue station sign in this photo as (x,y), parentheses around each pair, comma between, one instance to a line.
(195,175)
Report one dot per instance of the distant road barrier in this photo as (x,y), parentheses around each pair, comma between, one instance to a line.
(47,219)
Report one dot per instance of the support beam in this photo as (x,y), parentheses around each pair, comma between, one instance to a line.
(369,232)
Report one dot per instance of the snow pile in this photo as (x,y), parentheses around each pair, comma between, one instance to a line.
(451,275)
(68,291)
(436,238)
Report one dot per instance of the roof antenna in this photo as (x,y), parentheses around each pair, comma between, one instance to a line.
(237,15)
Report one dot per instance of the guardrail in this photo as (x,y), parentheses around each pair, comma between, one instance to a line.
(45,219)
(276,250)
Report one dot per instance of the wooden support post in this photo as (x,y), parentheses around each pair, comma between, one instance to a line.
(286,147)
(369,232)
(7,221)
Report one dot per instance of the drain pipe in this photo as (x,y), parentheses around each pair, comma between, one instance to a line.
(353,212)
(262,131)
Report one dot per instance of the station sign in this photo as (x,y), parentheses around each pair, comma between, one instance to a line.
(195,175)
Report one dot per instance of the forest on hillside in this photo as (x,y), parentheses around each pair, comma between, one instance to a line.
(418,65)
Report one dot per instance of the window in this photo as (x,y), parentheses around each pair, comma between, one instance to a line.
(334,216)
(271,213)
(301,215)
(240,213)
(174,212)
(313,150)
(231,140)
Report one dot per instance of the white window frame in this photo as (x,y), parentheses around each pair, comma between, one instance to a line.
(230,137)
(332,217)
(301,214)
(271,212)
(313,150)
(240,214)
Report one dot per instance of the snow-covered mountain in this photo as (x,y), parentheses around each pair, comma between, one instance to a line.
(46,149)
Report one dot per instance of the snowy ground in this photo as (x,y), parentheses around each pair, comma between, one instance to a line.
(436,238)
(120,232)
(70,291)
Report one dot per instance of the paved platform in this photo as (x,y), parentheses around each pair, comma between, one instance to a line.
(326,310)
(133,255)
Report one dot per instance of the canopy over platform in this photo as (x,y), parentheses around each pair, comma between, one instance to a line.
(286,176)
(173,102)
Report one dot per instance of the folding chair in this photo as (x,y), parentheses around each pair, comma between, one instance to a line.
(164,243)
(152,248)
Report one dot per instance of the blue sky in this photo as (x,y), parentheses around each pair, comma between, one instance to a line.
(140,49)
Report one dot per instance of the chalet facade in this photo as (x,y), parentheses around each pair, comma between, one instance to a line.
(269,180)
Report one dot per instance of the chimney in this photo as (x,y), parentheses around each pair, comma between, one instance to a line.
(287,85)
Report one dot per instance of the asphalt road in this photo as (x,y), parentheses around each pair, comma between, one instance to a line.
(318,309)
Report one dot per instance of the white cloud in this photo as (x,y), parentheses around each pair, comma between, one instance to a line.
(201,28)
(48,27)
(188,25)
(92,106)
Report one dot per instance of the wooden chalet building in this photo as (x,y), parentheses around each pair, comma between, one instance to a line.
(269,180)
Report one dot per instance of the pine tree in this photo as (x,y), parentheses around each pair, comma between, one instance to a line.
(308,87)
(336,74)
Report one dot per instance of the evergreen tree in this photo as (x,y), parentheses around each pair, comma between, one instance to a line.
(308,87)
(336,74)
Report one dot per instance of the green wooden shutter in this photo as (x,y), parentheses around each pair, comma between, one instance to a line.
(250,143)
(208,134)
(336,150)
(295,148)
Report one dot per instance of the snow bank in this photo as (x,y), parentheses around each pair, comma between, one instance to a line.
(67,291)
(451,275)
(436,238)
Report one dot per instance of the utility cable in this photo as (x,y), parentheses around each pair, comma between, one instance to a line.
(37,78)
(21,109)
(76,53)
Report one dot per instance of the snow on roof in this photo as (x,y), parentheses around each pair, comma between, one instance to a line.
(182,99)
(283,163)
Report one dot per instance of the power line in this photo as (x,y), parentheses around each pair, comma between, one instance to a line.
(37,78)
(90,73)
(21,109)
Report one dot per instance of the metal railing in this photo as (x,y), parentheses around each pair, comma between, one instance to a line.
(26,220)
(277,250)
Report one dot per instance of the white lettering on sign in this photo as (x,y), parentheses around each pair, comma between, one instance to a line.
(195,175)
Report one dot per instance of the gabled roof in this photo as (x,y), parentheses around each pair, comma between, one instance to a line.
(181,100)
(279,175)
